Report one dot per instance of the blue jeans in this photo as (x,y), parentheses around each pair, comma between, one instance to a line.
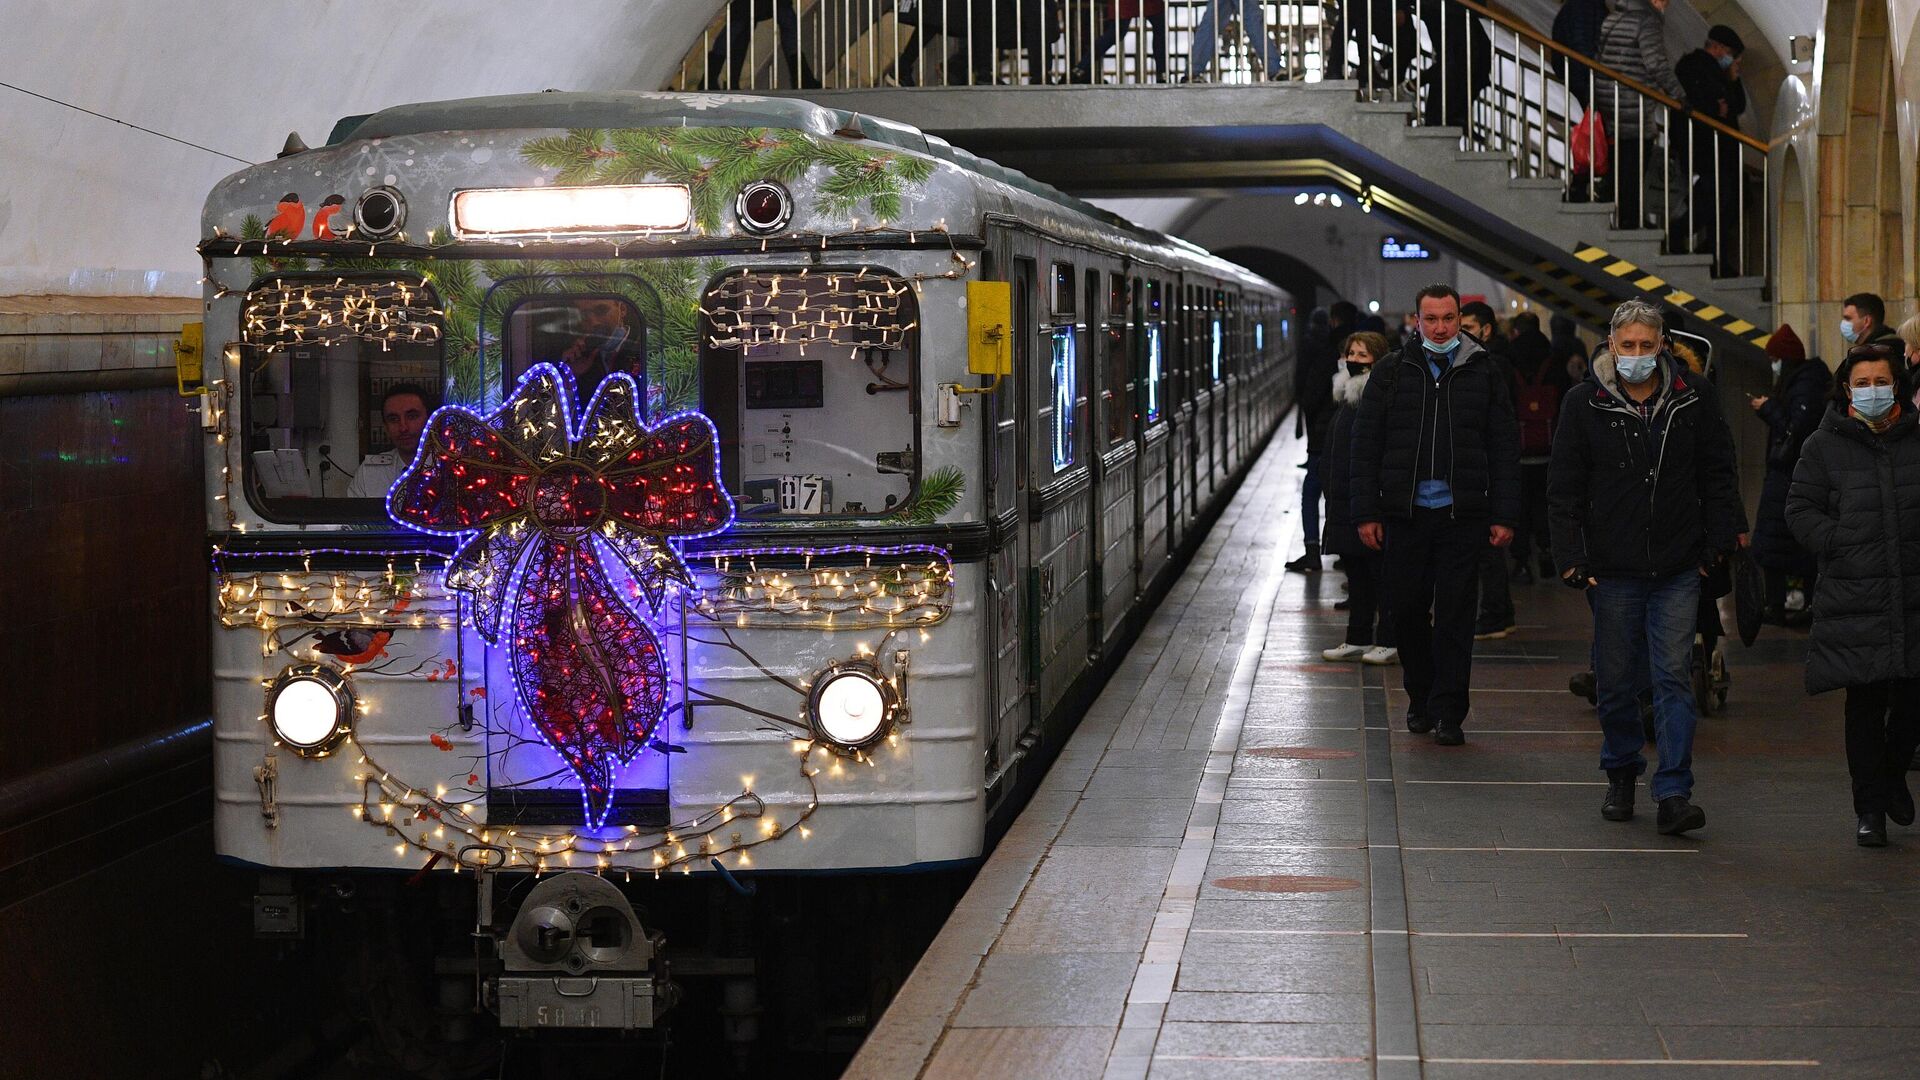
(1310,500)
(1647,624)
(1253,23)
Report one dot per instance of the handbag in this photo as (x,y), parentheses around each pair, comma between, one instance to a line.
(1749,594)
(1588,144)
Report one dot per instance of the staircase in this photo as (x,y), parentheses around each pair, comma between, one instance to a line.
(1498,189)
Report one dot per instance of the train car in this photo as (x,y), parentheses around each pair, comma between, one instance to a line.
(616,494)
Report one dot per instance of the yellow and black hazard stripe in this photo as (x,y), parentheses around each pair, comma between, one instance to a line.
(1658,288)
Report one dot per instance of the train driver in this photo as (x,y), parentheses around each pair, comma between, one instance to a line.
(404,411)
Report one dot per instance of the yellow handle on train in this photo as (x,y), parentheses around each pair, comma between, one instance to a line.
(989,338)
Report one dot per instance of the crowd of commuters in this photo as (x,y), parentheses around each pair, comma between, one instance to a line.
(1466,456)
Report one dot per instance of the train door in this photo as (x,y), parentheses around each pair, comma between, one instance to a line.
(1116,483)
(1008,633)
(1060,495)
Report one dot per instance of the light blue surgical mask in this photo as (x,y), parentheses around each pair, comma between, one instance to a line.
(1847,331)
(1872,402)
(1438,348)
(1726,61)
(1776,370)
(1635,369)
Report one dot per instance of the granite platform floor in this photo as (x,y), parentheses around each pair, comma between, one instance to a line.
(1243,865)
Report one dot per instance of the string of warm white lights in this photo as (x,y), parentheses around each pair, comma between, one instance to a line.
(299,311)
(902,595)
(850,310)
(432,823)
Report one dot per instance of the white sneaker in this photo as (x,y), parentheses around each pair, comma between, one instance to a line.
(1380,654)
(1346,652)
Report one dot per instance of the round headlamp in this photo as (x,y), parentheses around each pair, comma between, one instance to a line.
(310,708)
(852,704)
(763,207)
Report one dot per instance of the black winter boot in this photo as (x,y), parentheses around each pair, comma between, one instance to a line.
(1308,563)
(1677,816)
(1618,805)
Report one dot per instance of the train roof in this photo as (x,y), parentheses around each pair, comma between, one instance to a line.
(629,109)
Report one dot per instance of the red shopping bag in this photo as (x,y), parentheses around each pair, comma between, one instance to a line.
(1589,144)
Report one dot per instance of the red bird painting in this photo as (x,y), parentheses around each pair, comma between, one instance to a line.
(289,218)
(323,218)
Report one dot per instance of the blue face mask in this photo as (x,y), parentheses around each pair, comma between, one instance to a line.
(1635,369)
(1726,61)
(1438,347)
(1847,331)
(1872,402)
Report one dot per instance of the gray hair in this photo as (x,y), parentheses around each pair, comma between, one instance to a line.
(1637,311)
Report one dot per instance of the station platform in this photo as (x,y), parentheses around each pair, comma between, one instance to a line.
(1243,865)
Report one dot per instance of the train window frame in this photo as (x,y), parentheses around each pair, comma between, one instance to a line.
(362,514)
(727,425)
(1153,358)
(506,294)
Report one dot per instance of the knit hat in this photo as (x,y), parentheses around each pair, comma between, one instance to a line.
(1785,345)
(1724,34)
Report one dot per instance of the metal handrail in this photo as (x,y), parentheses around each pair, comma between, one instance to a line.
(1665,156)
(1522,30)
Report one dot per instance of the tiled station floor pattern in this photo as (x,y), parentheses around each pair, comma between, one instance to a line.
(1242,865)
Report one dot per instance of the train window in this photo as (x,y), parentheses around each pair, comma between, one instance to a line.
(1064,376)
(809,378)
(1156,372)
(1218,344)
(593,336)
(1118,383)
(1062,288)
(340,373)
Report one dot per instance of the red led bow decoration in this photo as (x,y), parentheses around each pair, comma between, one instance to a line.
(544,508)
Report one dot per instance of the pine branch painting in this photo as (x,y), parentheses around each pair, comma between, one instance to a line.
(716,162)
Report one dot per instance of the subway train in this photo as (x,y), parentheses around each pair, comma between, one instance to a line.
(642,522)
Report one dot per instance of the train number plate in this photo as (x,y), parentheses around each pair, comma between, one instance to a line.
(803,494)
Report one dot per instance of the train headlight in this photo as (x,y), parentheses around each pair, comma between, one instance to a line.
(310,708)
(600,209)
(763,207)
(379,213)
(852,704)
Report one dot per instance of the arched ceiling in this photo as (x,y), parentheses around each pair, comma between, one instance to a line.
(91,205)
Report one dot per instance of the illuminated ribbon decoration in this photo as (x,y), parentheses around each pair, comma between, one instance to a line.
(545,509)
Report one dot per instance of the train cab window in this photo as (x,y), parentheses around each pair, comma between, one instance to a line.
(340,375)
(809,378)
(1216,345)
(592,336)
(1064,381)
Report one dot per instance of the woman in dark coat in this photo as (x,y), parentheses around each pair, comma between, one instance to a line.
(1792,412)
(1369,627)
(1855,503)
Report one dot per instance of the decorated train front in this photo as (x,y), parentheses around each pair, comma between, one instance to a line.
(573,506)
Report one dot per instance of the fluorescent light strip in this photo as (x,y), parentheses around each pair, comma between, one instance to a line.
(572,211)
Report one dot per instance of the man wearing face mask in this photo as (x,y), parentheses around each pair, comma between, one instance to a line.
(1435,479)
(1863,321)
(1711,77)
(1644,501)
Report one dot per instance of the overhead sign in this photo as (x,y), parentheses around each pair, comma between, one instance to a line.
(1394,248)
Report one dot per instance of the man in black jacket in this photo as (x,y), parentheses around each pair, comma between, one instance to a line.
(1435,478)
(1711,77)
(1644,501)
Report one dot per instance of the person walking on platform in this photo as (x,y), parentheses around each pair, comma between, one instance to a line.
(1365,568)
(1644,501)
(1633,42)
(1435,477)
(1855,503)
(1313,396)
(1539,383)
(1792,412)
(1496,618)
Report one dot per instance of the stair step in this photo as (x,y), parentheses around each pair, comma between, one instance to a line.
(1740,284)
(1686,260)
(1452,133)
(1635,236)
(1534,183)
(1403,108)
(1599,210)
